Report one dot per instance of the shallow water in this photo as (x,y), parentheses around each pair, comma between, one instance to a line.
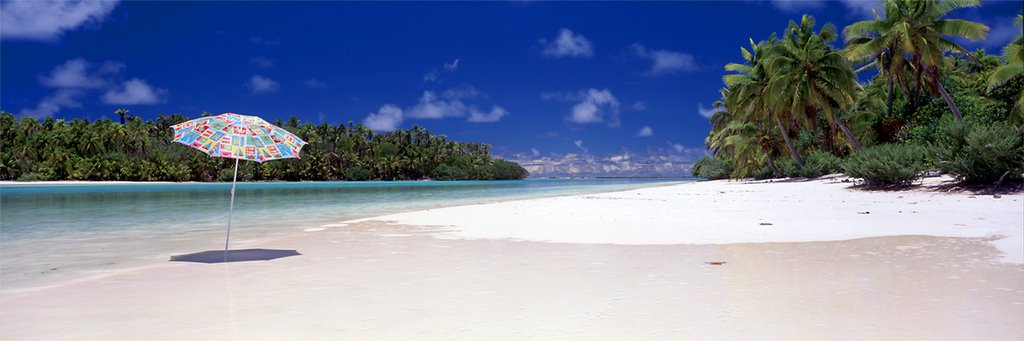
(55,233)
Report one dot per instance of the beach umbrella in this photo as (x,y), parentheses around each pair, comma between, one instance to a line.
(240,137)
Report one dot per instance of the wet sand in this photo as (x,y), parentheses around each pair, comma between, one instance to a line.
(376,281)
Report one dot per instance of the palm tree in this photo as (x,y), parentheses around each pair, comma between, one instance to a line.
(807,76)
(748,90)
(121,113)
(1014,55)
(916,30)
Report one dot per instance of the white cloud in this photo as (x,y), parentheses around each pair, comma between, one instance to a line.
(262,85)
(450,104)
(705,112)
(387,118)
(261,62)
(535,152)
(579,144)
(75,74)
(132,92)
(431,107)
(863,8)
(452,66)
(639,106)
(596,106)
(568,44)
(645,132)
(665,62)
(47,20)
(314,83)
(495,115)
(654,163)
(52,104)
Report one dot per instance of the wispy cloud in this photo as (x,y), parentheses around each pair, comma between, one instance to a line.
(434,75)
(794,6)
(261,62)
(464,91)
(567,44)
(75,73)
(664,62)
(387,118)
(639,106)
(705,112)
(52,104)
(1003,31)
(314,83)
(645,132)
(78,77)
(48,20)
(264,41)
(863,9)
(134,92)
(258,85)
(454,65)
(579,144)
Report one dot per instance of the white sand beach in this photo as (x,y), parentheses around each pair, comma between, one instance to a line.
(694,261)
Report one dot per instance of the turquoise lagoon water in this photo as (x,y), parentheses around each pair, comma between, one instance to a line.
(51,233)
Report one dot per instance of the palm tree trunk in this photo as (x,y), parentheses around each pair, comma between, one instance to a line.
(789,144)
(849,134)
(890,96)
(949,102)
(771,164)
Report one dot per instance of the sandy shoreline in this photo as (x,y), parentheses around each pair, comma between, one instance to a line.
(621,265)
(724,212)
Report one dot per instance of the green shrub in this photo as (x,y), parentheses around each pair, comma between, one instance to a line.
(712,168)
(820,163)
(764,173)
(888,164)
(357,174)
(981,153)
(788,167)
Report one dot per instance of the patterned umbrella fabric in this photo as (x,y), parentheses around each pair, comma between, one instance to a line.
(237,136)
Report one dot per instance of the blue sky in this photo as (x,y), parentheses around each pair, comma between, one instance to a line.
(602,88)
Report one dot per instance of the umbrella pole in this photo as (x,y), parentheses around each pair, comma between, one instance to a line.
(231,211)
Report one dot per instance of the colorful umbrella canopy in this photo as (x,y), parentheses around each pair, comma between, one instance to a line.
(239,137)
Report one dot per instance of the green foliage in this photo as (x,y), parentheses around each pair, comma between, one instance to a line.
(712,168)
(788,167)
(981,153)
(357,174)
(820,163)
(888,164)
(140,150)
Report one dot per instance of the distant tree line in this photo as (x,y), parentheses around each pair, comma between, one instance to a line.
(138,150)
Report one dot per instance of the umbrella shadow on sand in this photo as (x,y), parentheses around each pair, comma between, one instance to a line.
(246,255)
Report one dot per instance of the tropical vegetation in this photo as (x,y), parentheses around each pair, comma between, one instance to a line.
(901,97)
(138,150)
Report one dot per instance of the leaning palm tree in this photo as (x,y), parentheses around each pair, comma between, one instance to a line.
(916,30)
(1014,68)
(808,76)
(748,90)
